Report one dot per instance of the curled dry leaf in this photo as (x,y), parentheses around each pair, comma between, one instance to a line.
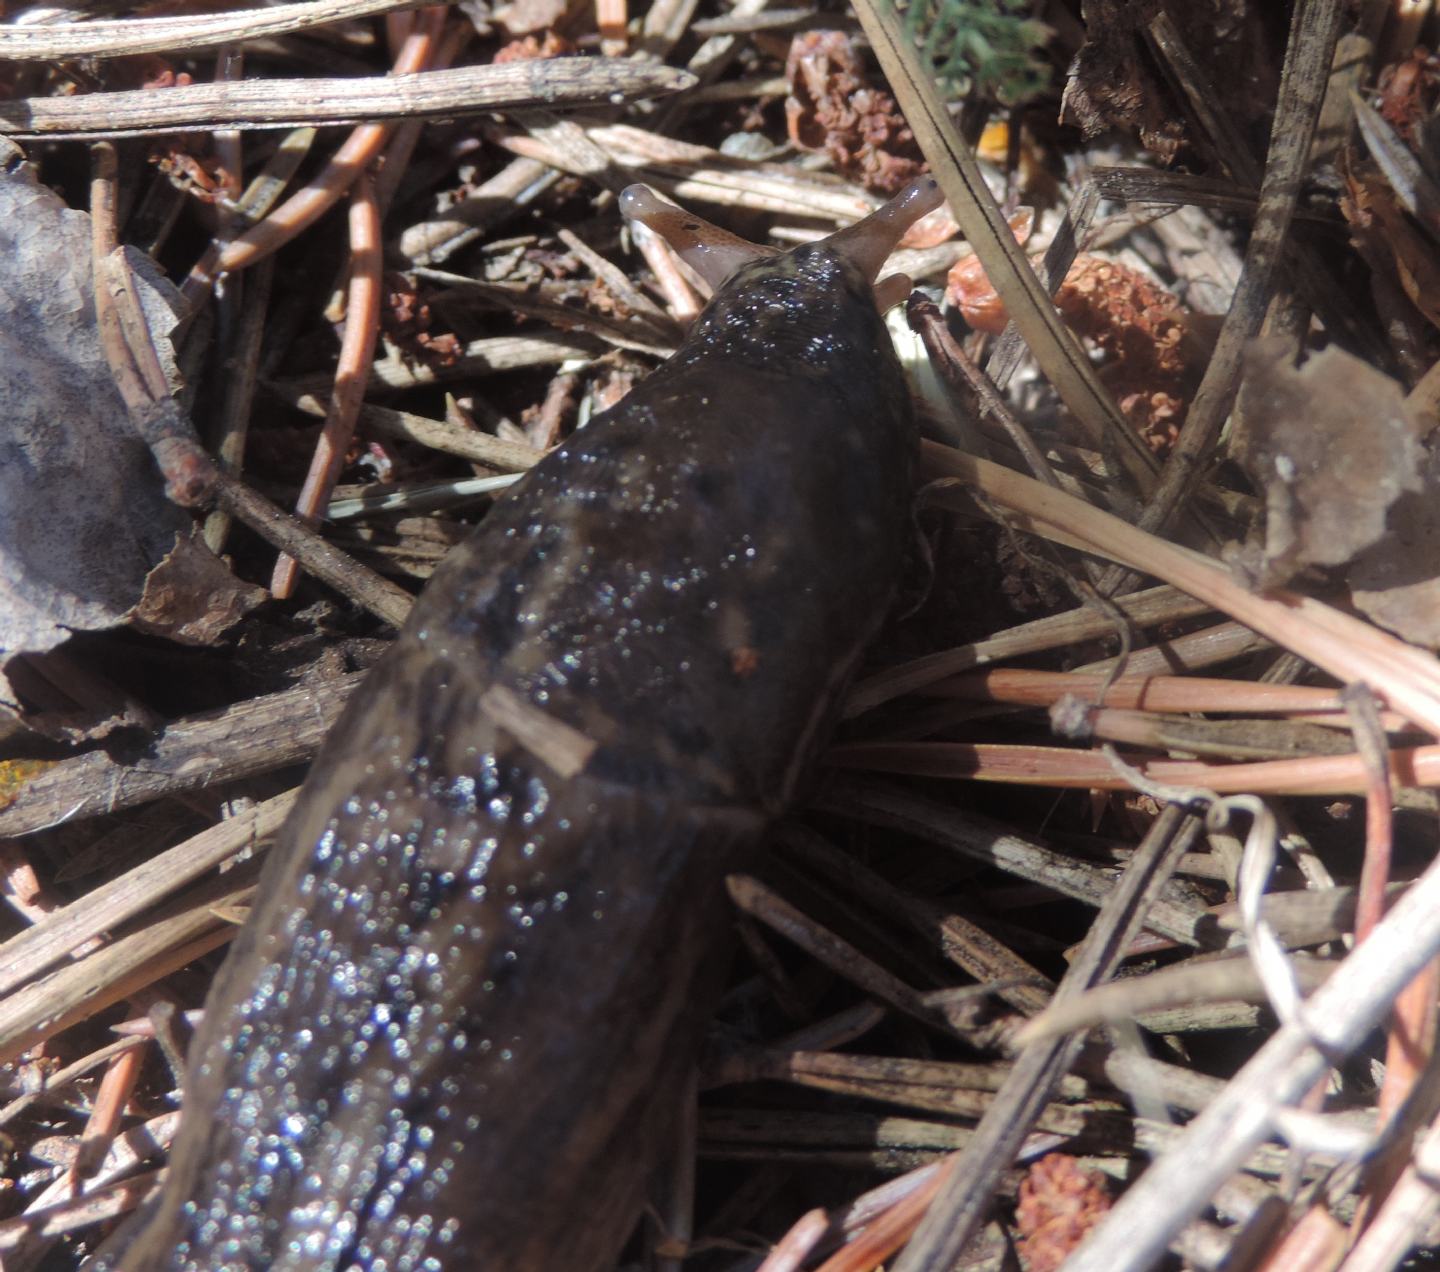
(1389,242)
(833,108)
(86,517)
(192,596)
(969,289)
(1409,89)
(406,319)
(1115,82)
(1332,445)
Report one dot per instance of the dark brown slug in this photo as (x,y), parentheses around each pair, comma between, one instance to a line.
(452,1032)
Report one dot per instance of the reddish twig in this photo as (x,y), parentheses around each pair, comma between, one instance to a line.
(1064,767)
(611,19)
(307,205)
(891,1230)
(357,351)
(106,1113)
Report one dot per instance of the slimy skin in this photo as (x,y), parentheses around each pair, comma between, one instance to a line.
(454,1028)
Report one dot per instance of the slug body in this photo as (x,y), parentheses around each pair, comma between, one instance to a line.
(455,1024)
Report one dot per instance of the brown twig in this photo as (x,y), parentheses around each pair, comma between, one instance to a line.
(1314,28)
(317,557)
(560,82)
(1076,769)
(965,1199)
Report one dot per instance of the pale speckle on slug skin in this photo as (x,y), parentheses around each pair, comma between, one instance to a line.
(450,1034)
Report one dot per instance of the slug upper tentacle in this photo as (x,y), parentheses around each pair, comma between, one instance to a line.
(451,1031)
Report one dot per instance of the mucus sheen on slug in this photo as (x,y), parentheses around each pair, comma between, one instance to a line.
(454,1028)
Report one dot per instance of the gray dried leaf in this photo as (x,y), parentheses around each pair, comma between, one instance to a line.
(1397,582)
(1332,446)
(86,517)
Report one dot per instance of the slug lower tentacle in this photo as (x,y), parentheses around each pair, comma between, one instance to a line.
(471,988)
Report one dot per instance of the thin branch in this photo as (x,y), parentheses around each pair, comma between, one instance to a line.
(468,90)
(127,36)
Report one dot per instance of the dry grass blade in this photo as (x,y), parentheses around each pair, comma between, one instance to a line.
(953,163)
(1142,609)
(129,964)
(285,103)
(1158,693)
(990,843)
(478,358)
(32,951)
(95,1205)
(1074,769)
(1182,985)
(688,173)
(1314,29)
(1349,648)
(756,899)
(439,435)
(128,36)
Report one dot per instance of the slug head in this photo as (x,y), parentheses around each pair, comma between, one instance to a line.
(815,308)
(717,255)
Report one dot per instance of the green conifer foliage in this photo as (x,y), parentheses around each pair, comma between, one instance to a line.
(980,46)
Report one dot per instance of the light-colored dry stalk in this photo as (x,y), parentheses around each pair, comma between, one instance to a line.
(125,37)
(465,90)
(1350,649)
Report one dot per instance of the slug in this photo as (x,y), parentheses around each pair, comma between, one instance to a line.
(455,1025)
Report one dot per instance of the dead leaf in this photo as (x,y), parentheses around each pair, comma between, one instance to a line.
(86,516)
(1416,264)
(1332,446)
(1397,582)
(1116,82)
(1112,84)
(192,596)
